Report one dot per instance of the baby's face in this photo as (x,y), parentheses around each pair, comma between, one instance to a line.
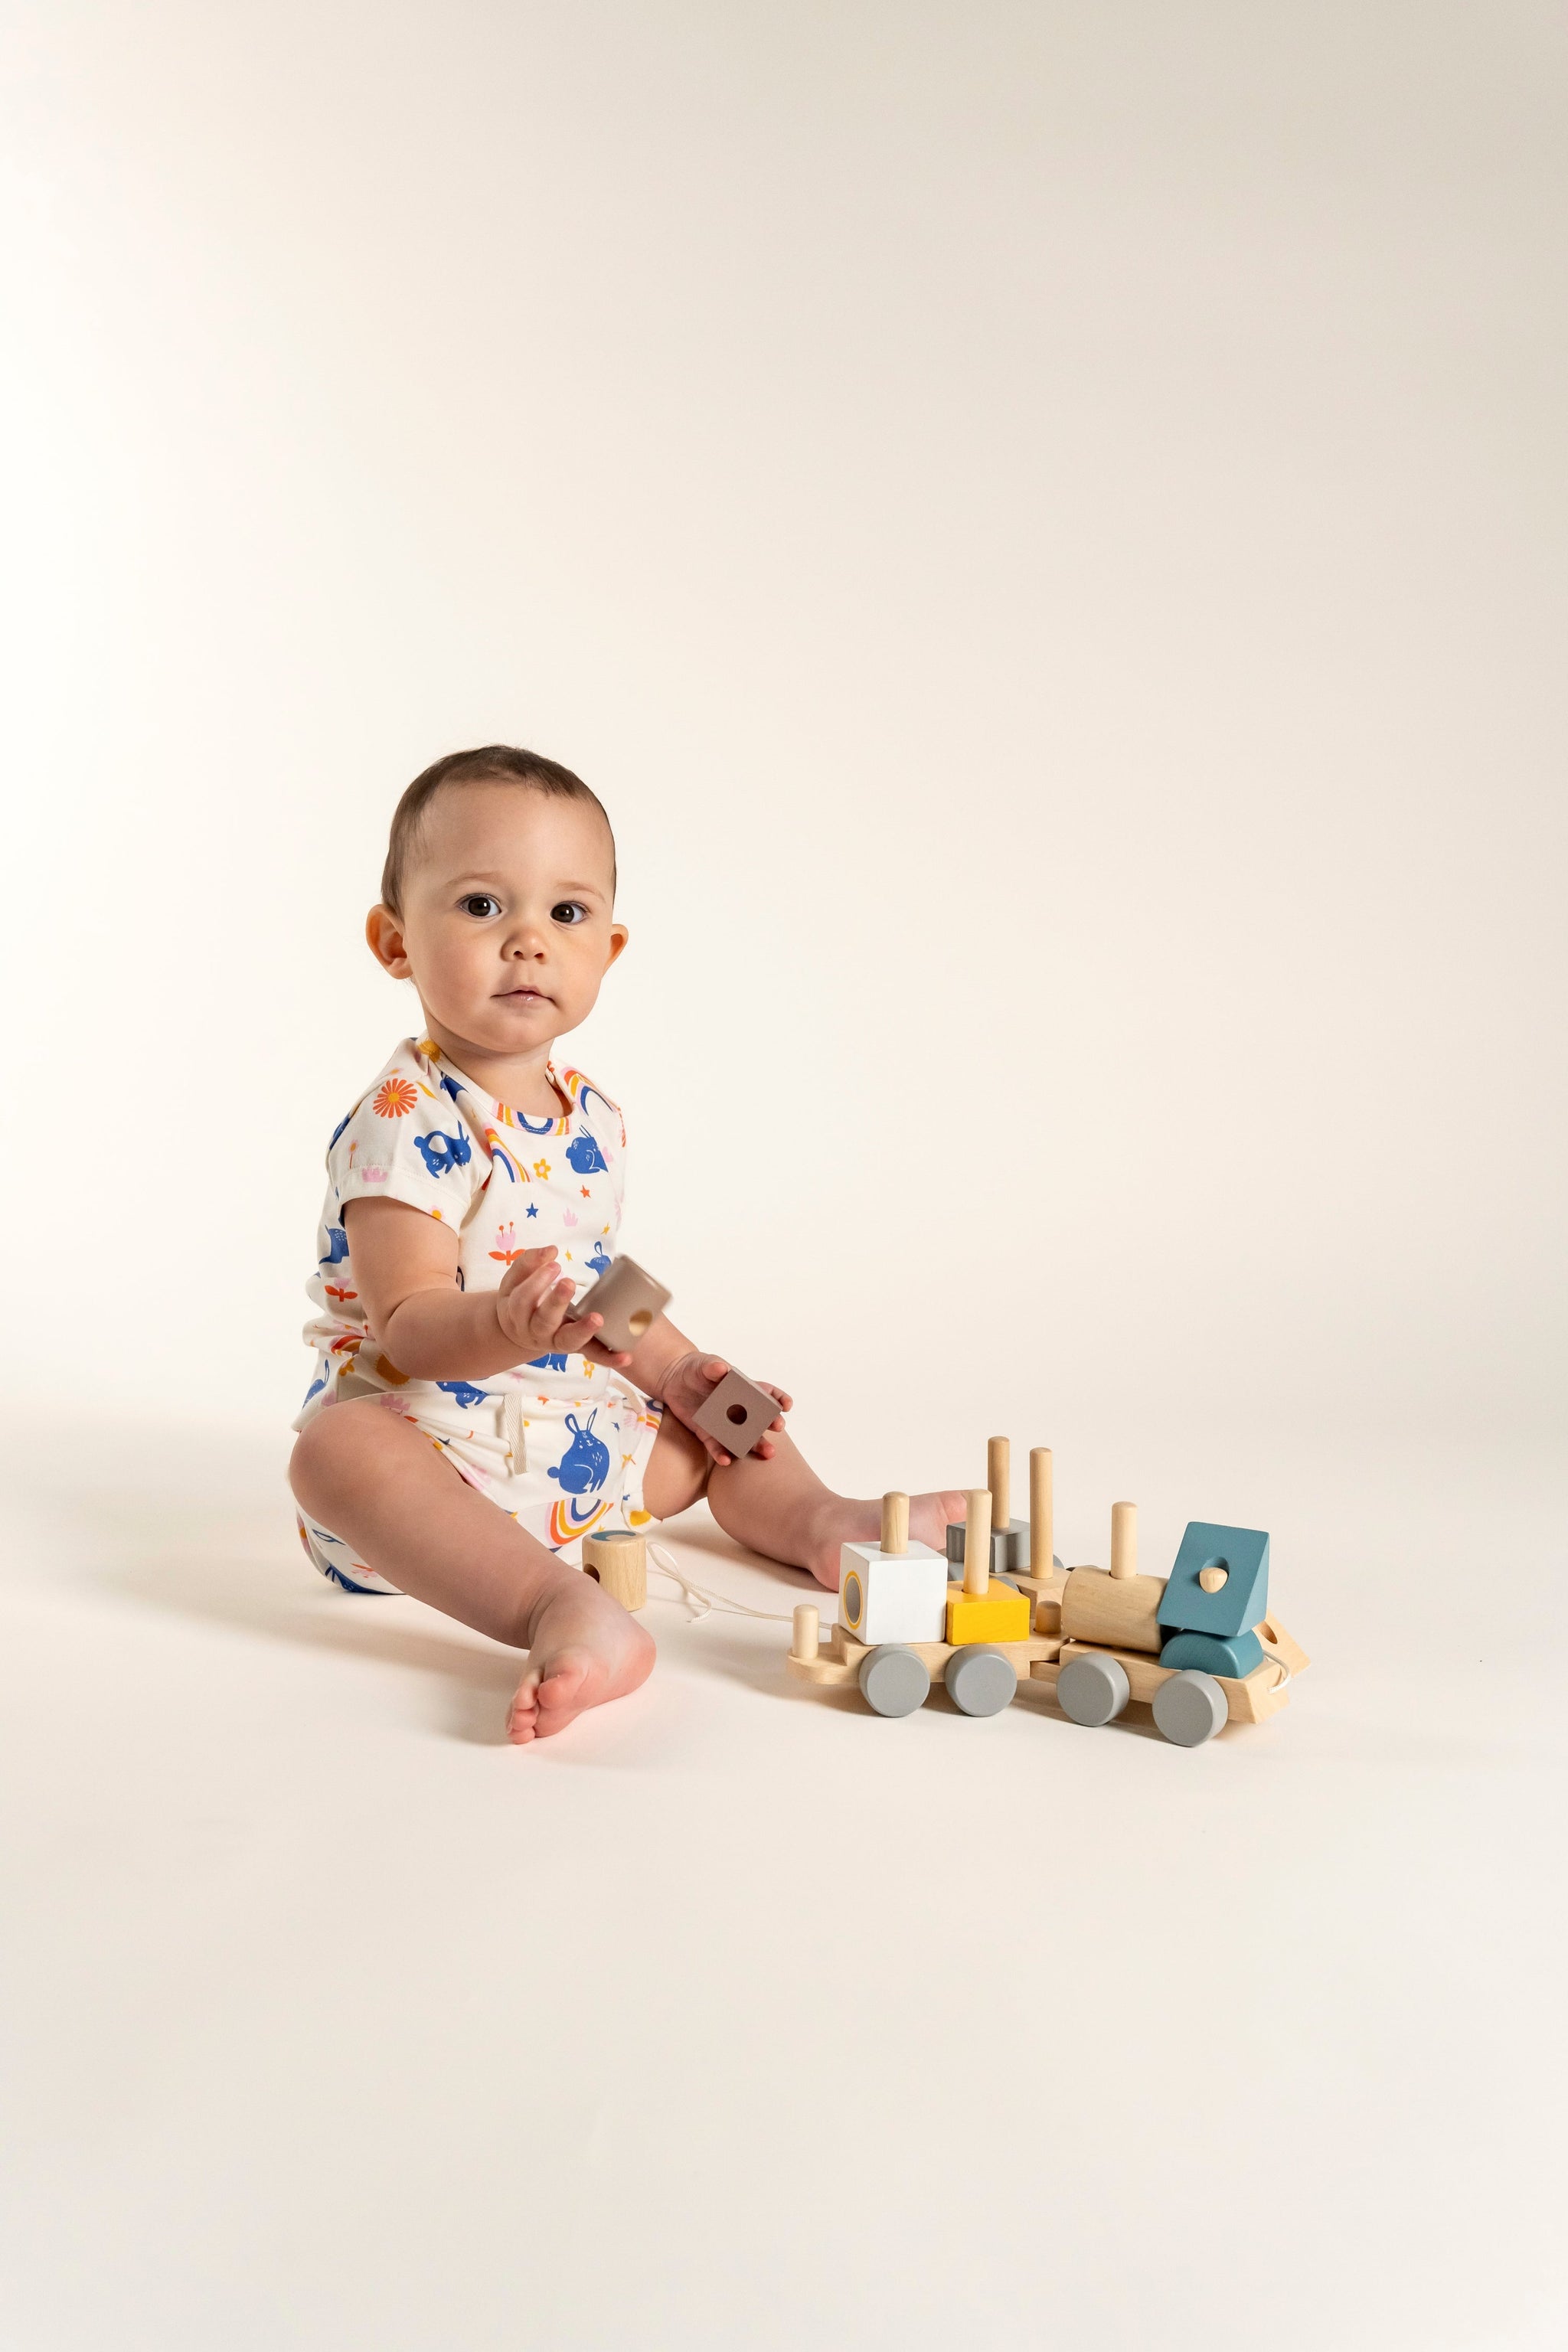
(507,927)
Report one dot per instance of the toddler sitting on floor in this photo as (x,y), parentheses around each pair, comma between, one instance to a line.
(464,1423)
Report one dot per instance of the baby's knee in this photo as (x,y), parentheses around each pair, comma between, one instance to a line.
(328,1456)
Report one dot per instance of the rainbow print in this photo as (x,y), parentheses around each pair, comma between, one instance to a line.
(574,1515)
(497,1150)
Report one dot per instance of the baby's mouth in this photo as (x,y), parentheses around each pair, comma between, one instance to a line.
(523,997)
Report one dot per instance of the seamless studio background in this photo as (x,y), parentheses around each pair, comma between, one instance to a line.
(1044,526)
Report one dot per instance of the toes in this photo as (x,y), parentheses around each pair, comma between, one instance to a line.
(562,1687)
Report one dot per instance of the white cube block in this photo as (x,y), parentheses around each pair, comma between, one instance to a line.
(892,1596)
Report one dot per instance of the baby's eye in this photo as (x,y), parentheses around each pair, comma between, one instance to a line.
(479,903)
(569,911)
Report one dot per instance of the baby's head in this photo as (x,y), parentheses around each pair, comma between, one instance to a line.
(497,900)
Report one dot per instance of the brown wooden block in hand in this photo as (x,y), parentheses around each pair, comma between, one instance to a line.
(629,1300)
(736,1414)
(617,1559)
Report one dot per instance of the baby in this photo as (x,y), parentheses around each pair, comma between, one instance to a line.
(465,1423)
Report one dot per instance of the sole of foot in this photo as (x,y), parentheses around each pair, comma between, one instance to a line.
(585,1651)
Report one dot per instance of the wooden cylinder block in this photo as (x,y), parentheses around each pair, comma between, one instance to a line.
(806,1634)
(896,1524)
(617,1561)
(1042,1532)
(999,1479)
(977,1543)
(1121,1612)
(1124,1540)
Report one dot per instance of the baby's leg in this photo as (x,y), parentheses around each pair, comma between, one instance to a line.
(372,1477)
(779,1506)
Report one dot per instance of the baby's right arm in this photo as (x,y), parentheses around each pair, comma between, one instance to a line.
(405,1264)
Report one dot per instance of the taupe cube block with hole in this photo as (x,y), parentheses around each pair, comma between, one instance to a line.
(736,1414)
(629,1300)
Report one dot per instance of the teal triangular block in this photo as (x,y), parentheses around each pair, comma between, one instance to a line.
(1241,1601)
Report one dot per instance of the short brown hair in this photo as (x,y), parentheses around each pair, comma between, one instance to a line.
(491,763)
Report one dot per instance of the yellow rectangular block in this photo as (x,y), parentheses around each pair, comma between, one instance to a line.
(1000,1614)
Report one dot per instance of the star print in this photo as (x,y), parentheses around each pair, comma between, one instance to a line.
(534,1208)
(584,1190)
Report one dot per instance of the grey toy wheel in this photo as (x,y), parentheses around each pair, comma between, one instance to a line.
(893,1680)
(1093,1689)
(980,1680)
(1190,1709)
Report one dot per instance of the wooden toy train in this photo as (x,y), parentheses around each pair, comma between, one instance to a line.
(1198,1645)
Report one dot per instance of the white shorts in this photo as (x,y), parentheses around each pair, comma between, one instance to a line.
(561,1469)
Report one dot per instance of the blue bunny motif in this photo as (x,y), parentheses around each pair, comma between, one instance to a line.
(548,1363)
(337,1246)
(587,1463)
(450,1085)
(463,1392)
(585,1156)
(442,1152)
(600,1261)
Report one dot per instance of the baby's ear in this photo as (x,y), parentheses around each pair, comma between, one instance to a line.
(384,934)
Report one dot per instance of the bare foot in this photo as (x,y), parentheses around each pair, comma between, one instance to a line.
(842,1520)
(583,1648)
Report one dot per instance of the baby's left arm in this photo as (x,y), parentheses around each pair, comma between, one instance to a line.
(666,1365)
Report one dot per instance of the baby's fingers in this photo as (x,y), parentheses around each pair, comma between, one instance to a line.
(524,1265)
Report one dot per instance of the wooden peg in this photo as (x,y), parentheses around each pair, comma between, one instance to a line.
(896,1524)
(1042,1532)
(977,1543)
(805,1641)
(1124,1540)
(999,1479)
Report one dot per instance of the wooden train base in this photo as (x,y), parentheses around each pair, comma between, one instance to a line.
(834,1661)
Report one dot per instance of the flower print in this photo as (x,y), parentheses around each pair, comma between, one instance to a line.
(568,1216)
(506,1248)
(373,1175)
(335,1291)
(542,1169)
(353,1149)
(396,1100)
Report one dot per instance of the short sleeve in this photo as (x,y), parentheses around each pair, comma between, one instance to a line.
(606,1125)
(406,1141)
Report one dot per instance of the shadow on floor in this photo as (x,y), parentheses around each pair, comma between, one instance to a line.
(207,1534)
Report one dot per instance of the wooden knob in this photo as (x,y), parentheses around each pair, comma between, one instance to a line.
(999,1479)
(896,1523)
(1124,1540)
(977,1543)
(804,1645)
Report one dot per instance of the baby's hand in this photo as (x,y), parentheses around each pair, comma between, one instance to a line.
(532,1307)
(692,1381)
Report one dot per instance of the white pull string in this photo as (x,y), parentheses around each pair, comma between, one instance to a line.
(701,1603)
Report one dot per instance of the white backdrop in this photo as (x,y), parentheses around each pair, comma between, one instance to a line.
(1044,524)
